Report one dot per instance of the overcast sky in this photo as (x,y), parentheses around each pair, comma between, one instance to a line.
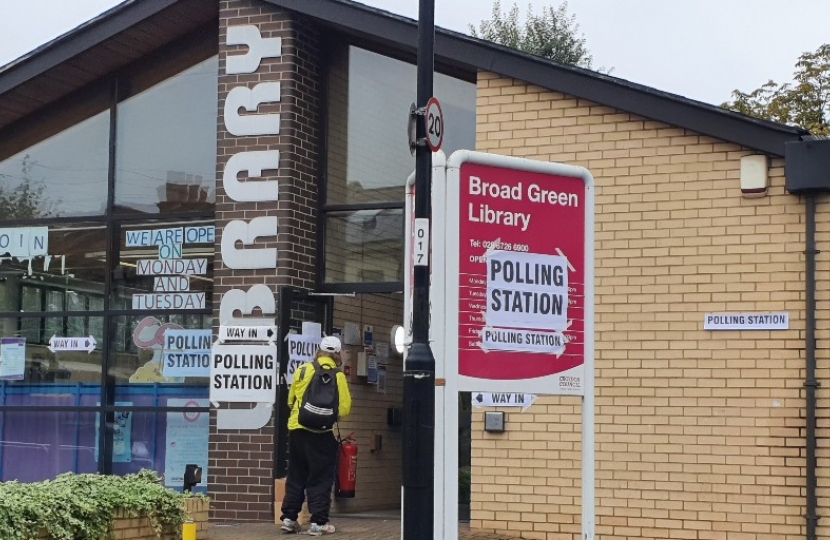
(701,49)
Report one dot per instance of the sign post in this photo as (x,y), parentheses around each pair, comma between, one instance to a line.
(519,298)
(419,364)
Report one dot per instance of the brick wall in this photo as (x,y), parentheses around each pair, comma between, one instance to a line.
(699,434)
(241,462)
(128,527)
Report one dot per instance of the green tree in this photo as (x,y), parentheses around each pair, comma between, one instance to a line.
(553,34)
(26,200)
(803,103)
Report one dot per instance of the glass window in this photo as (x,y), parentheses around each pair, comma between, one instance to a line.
(48,360)
(368,150)
(39,445)
(163,266)
(168,357)
(364,246)
(166,144)
(54,268)
(64,175)
(162,441)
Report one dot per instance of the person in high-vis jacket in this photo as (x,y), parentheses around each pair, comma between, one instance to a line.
(312,453)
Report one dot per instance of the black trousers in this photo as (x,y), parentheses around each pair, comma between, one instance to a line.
(311,463)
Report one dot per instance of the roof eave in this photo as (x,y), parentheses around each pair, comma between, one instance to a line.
(458,49)
(77,41)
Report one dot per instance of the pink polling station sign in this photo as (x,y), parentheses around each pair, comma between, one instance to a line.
(523,272)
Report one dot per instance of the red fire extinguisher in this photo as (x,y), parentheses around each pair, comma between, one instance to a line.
(346,468)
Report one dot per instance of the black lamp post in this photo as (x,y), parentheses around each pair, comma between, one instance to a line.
(419,368)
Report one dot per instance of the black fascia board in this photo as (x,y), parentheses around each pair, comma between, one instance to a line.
(456,49)
(76,41)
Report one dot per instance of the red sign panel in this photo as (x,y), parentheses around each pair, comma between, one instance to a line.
(522,267)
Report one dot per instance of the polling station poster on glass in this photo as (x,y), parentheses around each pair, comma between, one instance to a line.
(186,353)
(302,348)
(522,269)
(186,441)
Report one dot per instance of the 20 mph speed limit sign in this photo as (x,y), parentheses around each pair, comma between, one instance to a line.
(435,124)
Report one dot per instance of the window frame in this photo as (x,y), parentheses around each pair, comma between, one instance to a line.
(324,209)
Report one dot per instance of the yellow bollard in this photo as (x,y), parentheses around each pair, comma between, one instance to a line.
(189,530)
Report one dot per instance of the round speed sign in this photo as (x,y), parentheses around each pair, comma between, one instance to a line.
(435,124)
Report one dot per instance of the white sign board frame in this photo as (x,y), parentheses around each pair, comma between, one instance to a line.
(444,296)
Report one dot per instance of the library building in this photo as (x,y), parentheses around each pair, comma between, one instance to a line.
(172,165)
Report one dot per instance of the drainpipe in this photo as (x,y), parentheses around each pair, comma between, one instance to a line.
(810,382)
(807,164)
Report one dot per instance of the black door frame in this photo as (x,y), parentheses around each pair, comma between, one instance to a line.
(322,307)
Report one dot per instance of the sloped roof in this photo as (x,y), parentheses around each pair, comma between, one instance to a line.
(117,37)
(137,27)
(465,52)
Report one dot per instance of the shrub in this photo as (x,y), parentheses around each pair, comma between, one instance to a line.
(83,506)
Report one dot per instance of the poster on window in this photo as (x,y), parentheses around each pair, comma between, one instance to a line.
(122,429)
(12,358)
(186,441)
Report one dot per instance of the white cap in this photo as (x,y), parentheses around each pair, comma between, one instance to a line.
(330,344)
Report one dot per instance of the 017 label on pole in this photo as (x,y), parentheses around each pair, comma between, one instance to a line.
(421,242)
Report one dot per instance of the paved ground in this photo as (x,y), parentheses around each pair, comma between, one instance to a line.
(377,527)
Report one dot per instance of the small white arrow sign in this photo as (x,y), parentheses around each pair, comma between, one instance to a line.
(58,344)
(247,333)
(500,399)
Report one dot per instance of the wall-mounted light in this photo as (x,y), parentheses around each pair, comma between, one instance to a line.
(397,337)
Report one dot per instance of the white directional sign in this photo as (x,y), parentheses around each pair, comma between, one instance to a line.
(746,321)
(503,399)
(243,373)
(247,333)
(57,344)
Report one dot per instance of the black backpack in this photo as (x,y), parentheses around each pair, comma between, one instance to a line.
(321,399)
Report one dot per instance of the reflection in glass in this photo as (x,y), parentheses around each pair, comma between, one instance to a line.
(65,272)
(49,375)
(166,144)
(36,446)
(364,246)
(368,157)
(32,301)
(164,442)
(64,175)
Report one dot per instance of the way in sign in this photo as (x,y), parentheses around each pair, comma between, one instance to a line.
(491,399)
(72,344)
(247,333)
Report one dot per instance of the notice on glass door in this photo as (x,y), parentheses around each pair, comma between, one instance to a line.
(12,358)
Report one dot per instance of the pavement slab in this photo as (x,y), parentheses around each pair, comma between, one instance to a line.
(347,528)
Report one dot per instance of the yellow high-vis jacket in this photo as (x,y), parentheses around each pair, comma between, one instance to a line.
(302,378)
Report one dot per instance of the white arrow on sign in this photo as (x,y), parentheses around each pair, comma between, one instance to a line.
(247,333)
(57,344)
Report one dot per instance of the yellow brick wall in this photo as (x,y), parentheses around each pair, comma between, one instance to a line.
(699,434)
